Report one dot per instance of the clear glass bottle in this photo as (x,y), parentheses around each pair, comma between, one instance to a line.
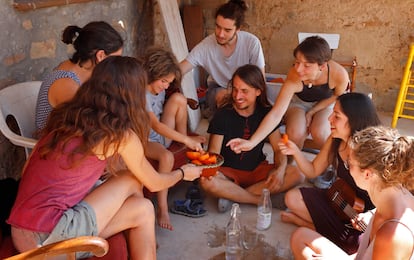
(233,234)
(264,211)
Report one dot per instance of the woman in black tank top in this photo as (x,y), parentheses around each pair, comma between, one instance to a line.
(317,81)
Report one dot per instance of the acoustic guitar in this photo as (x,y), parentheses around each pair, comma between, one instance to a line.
(345,202)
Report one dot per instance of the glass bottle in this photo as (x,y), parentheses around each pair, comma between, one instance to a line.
(264,211)
(233,234)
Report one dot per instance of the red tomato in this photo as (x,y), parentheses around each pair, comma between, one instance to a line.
(196,162)
(192,155)
(211,160)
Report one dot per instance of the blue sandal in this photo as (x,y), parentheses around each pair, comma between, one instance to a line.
(194,193)
(189,208)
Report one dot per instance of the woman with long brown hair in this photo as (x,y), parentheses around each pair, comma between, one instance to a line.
(105,121)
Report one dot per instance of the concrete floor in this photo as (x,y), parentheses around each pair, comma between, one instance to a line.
(190,237)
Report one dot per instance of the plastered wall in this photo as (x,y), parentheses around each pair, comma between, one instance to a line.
(377,32)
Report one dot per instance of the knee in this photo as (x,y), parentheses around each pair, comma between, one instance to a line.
(166,159)
(296,132)
(291,198)
(179,99)
(296,238)
(144,212)
(320,133)
(209,186)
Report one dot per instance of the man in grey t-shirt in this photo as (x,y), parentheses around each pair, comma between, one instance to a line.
(221,53)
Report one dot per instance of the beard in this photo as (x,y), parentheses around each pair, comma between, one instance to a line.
(242,106)
(228,41)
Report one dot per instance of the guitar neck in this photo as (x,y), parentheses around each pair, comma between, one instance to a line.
(352,214)
(347,209)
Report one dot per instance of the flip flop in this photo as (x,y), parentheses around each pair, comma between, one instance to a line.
(188,208)
(194,193)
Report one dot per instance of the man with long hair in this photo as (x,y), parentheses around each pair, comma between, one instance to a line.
(243,176)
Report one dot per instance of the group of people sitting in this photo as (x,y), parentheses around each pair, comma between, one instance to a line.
(100,112)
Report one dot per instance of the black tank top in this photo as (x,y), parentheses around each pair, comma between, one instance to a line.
(315,93)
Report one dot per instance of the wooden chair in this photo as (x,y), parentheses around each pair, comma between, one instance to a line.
(95,245)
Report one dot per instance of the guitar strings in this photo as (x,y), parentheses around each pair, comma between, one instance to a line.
(352,214)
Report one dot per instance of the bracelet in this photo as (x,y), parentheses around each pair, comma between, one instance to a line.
(182,172)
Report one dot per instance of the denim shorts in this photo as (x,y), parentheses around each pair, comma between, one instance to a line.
(79,220)
(297,102)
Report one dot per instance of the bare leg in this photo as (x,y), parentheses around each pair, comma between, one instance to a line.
(174,116)
(290,217)
(221,187)
(165,159)
(175,113)
(308,244)
(296,125)
(320,127)
(292,178)
(299,214)
(119,205)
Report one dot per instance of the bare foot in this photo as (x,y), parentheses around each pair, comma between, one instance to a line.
(163,220)
(290,217)
(287,216)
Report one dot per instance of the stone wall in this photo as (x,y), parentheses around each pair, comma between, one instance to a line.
(31,45)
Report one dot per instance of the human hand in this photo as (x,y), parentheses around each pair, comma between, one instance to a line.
(191,171)
(195,142)
(192,103)
(239,145)
(274,181)
(288,147)
(359,222)
(204,179)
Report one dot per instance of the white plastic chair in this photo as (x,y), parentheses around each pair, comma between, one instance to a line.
(331,38)
(19,101)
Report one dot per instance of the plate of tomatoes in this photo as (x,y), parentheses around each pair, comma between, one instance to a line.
(210,161)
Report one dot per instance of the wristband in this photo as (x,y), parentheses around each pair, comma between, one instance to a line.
(182,172)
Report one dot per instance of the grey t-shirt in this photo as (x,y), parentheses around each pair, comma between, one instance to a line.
(208,54)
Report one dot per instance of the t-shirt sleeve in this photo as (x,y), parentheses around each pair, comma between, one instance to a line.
(198,54)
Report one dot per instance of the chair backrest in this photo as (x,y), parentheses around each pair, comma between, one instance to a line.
(331,38)
(19,101)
